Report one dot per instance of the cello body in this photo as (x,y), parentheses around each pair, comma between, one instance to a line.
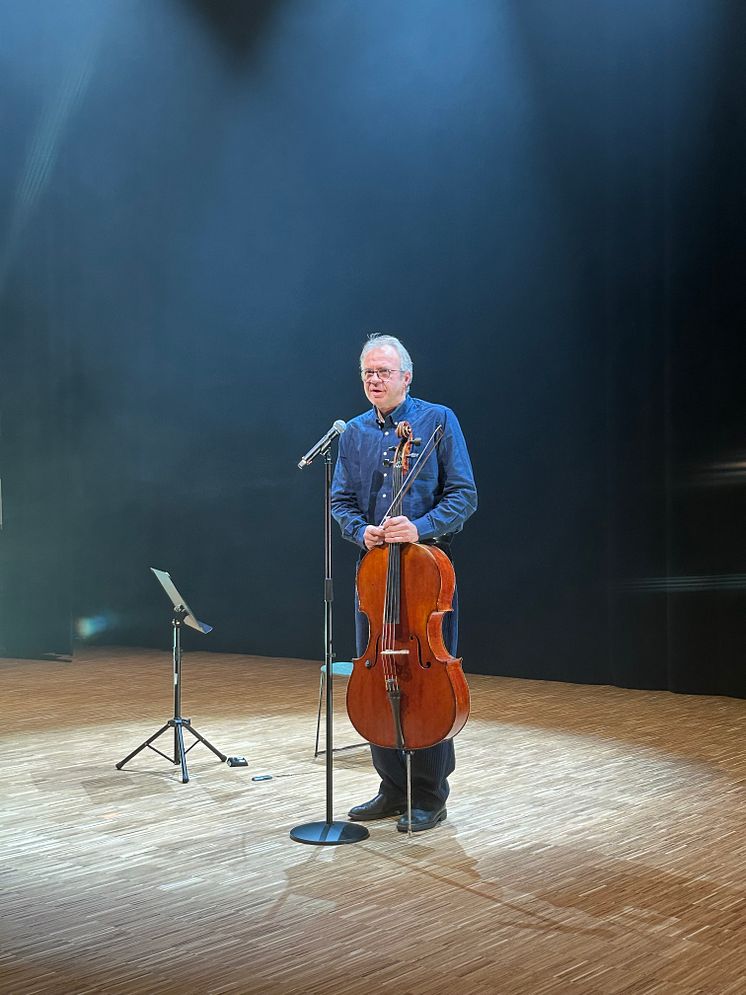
(405,591)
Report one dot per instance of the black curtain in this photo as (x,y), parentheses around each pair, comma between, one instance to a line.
(207,206)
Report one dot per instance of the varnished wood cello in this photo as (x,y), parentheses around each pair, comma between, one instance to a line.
(406,691)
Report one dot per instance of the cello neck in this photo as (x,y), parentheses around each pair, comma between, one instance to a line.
(393,573)
(400,468)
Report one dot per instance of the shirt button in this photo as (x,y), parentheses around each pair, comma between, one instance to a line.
(385,474)
(385,433)
(384,495)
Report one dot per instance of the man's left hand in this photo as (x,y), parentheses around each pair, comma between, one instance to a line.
(400,529)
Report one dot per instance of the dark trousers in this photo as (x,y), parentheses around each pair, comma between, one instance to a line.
(432,767)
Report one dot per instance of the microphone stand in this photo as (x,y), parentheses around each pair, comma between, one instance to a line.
(329,832)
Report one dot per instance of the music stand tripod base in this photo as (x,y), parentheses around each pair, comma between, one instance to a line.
(181,614)
(180,752)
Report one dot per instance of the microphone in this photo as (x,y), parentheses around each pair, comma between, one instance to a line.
(324,442)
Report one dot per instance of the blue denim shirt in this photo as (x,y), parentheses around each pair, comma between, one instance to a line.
(442,497)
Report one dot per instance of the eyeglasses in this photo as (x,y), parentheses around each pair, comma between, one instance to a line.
(382,374)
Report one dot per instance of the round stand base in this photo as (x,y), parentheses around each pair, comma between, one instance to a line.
(329,833)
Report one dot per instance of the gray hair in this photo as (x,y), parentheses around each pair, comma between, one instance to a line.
(378,339)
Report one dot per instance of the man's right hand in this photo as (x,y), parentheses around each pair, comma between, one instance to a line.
(373,536)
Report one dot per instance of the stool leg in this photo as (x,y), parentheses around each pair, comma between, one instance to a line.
(322,678)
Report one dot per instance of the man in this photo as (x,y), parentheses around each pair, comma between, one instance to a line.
(437,505)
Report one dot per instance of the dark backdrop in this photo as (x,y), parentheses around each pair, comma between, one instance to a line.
(207,205)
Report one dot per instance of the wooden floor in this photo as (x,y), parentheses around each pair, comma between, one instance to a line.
(595,842)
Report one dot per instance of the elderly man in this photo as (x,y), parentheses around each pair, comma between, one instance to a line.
(441,499)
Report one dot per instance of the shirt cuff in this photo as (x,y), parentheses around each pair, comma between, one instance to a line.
(424,528)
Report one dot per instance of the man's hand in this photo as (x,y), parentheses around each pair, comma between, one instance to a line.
(373,536)
(399,529)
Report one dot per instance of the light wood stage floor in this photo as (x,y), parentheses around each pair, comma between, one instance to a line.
(595,841)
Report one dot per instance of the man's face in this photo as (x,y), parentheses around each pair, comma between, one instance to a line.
(385,394)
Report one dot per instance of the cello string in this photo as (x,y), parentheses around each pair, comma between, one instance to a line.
(394,561)
(395,554)
(387,613)
(392,600)
(392,592)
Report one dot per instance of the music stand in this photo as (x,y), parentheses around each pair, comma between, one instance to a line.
(182,615)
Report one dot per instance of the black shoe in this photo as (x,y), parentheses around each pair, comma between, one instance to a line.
(422,819)
(379,807)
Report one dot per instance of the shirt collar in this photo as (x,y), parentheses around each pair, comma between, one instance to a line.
(395,416)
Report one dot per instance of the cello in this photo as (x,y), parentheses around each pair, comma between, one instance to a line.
(406,691)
